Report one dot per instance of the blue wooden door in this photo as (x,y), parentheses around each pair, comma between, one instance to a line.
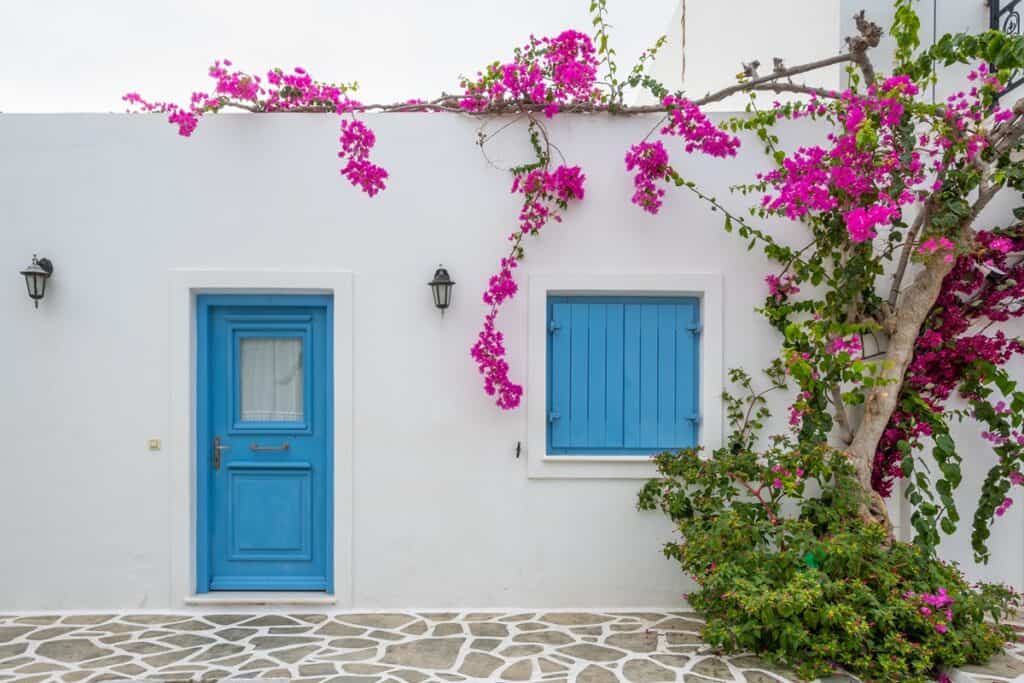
(264,443)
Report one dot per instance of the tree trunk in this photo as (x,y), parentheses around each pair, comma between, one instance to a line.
(914,307)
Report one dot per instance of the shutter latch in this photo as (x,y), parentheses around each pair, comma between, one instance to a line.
(553,326)
(695,419)
(695,329)
(552,417)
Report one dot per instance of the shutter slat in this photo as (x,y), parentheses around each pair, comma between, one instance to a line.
(614,378)
(667,322)
(596,386)
(559,375)
(580,374)
(631,377)
(648,375)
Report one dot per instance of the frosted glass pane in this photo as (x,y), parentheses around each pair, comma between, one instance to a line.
(271,378)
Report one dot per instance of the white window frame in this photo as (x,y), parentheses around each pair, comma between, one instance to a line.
(706,287)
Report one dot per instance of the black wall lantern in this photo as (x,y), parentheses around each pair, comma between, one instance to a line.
(36,275)
(441,286)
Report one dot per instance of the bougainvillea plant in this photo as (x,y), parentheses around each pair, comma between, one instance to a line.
(889,311)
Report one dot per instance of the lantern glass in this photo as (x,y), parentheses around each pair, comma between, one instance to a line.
(441,287)
(36,275)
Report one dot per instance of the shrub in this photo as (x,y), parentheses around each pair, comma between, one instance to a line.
(787,567)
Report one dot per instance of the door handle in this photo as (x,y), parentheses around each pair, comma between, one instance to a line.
(217,448)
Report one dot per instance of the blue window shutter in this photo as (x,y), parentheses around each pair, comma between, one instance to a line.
(623,374)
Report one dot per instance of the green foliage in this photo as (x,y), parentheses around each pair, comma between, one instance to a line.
(786,567)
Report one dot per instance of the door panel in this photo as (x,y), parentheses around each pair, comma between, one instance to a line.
(265,438)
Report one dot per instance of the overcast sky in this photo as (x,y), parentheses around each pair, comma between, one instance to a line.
(70,55)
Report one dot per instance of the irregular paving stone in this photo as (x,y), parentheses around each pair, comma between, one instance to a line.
(574,618)
(236,633)
(592,653)
(517,617)
(187,640)
(271,620)
(333,628)
(417,628)
(150,635)
(681,638)
(233,661)
(626,627)
(168,657)
(310,618)
(544,637)
(9,633)
(116,638)
(156,619)
(16,662)
(424,653)
(118,627)
(217,651)
(87,619)
(384,635)
(439,616)
(547,666)
(322,669)
(678,625)
(362,668)
(37,621)
(50,633)
(141,647)
(519,671)
(672,660)
(486,644)
(596,674)
(130,669)
(481,616)
(646,671)
(410,676)
(288,630)
(479,665)
(258,664)
(354,656)
(489,629)
(352,643)
(76,676)
(193,625)
(104,662)
(447,629)
(634,642)
(12,650)
(587,630)
(71,650)
(40,667)
(531,626)
(712,667)
(292,655)
(521,650)
(376,620)
(351,679)
(226,619)
(272,642)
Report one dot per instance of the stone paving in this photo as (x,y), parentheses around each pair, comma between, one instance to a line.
(400,647)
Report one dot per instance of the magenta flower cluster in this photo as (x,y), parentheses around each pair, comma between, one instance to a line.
(280,91)
(937,607)
(552,72)
(650,160)
(954,339)
(545,194)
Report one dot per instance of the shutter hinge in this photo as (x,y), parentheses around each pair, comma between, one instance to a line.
(695,329)
(552,417)
(695,419)
(553,326)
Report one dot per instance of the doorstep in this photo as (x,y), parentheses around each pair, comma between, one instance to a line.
(256,598)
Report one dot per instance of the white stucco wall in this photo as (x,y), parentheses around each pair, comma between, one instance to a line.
(443,512)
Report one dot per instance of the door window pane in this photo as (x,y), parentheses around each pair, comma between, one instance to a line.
(271,379)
